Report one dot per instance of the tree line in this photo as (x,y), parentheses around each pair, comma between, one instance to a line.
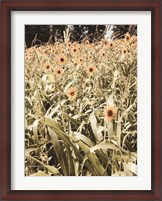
(49,34)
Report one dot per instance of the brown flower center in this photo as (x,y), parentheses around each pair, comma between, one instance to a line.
(74,50)
(127,37)
(110,113)
(62,59)
(58,71)
(72,93)
(48,67)
(91,70)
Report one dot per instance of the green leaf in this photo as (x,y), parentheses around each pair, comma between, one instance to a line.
(29,150)
(71,119)
(132,167)
(121,173)
(103,145)
(58,150)
(67,86)
(35,132)
(50,112)
(52,169)
(91,156)
(84,139)
(93,122)
(39,173)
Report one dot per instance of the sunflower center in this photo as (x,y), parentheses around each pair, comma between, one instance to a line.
(110,113)
(91,70)
(74,50)
(62,59)
(47,66)
(72,93)
(127,37)
(124,51)
(58,71)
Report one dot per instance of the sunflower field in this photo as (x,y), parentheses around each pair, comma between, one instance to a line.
(81,108)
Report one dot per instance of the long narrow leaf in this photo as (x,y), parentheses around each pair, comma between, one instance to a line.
(103,145)
(58,150)
(52,169)
(93,122)
(91,156)
(55,127)
(35,132)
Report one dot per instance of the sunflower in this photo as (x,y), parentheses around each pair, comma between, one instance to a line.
(110,112)
(86,42)
(80,59)
(90,57)
(103,54)
(58,71)
(91,70)
(62,59)
(134,41)
(47,66)
(72,93)
(57,44)
(69,44)
(111,45)
(127,38)
(74,49)
(124,51)
(106,42)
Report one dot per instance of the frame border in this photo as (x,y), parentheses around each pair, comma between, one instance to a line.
(6,7)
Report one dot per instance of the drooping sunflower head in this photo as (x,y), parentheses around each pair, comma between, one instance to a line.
(72,93)
(58,71)
(110,112)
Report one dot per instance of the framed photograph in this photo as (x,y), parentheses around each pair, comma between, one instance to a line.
(80,103)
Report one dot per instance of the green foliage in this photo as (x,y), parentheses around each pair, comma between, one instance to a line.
(81,109)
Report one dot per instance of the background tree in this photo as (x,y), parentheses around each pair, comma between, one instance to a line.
(48,34)
(41,34)
(120,30)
